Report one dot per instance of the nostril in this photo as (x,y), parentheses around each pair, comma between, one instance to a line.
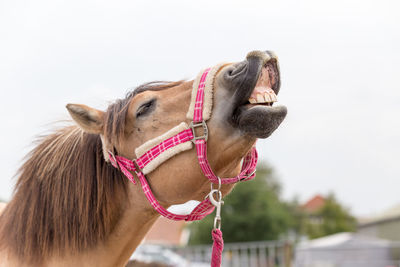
(237,70)
(234,72)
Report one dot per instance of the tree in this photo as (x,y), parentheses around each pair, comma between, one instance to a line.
(252,212)
(330,219)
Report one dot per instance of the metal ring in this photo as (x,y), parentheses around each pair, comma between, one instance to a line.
(219,196)
(215,202)
(219,184)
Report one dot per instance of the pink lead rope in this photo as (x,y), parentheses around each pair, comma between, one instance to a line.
(218,247)
(207,206)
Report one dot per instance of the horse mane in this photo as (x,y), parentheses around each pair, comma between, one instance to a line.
(67,197)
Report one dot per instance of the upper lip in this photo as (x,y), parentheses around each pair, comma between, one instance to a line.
(247,74)
(276,82)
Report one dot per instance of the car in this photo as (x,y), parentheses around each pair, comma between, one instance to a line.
(151,253)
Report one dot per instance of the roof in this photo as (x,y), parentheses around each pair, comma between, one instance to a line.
(167,232)
(392,213)
(314,204)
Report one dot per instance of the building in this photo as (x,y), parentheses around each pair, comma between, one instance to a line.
(385,225)
(347,250)
(311,207)
(313,204)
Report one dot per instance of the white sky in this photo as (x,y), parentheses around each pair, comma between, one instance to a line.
(340,64)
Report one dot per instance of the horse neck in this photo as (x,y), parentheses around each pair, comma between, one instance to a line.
(122,242)
(130,230)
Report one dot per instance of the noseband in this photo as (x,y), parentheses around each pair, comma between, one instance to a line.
(180,138)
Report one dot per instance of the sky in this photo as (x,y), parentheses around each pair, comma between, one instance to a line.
(340,68)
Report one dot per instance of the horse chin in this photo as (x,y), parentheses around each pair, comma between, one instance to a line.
(260,121)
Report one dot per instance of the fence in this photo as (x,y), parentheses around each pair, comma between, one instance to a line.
(282,254)
(251,254)
(365,255)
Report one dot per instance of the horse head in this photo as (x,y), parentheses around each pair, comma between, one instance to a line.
(241,111)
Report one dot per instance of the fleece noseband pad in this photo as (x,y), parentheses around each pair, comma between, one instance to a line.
(140,151)
(208,93)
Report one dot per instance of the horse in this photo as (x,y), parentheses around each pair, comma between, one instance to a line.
(72,204)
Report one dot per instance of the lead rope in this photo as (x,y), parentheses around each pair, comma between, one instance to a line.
(216,233)
(218,247)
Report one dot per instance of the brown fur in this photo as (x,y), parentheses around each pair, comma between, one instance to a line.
(116,123)
(2,206)
(67,197)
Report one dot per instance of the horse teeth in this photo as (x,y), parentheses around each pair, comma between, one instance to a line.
(252,101)
(267,97)
(260,98)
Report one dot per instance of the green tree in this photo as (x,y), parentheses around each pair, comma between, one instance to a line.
(299,217)
(253,211)
(330,219)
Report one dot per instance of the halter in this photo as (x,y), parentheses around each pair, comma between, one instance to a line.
(180,138)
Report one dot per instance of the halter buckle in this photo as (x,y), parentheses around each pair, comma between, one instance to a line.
(194,125)
(217,203)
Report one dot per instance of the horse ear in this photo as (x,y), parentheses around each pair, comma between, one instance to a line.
(89,119)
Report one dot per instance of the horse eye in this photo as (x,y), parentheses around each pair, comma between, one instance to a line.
(145,108)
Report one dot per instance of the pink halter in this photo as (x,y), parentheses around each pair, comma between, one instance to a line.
(209,203)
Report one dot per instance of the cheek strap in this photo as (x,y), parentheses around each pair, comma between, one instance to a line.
(156,151)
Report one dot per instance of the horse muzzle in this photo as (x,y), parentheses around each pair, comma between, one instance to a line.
(254,85)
